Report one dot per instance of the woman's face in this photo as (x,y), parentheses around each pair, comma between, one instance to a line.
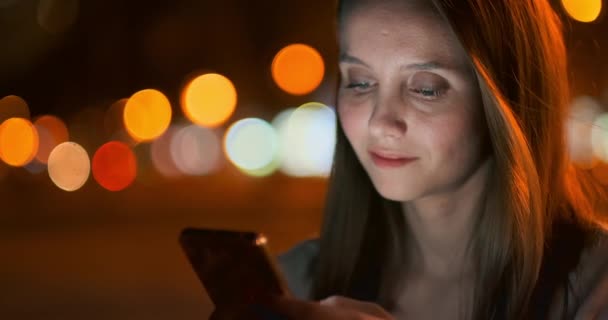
(408,92)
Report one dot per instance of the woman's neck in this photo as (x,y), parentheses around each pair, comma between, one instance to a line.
(440,227)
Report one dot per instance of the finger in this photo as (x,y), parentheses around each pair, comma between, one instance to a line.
(366,307)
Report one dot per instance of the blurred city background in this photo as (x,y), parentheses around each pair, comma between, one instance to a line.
(123,122)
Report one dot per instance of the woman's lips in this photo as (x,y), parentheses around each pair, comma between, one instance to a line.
(389,161)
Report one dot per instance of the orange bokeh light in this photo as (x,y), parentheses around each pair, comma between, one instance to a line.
(18,141)
(209,100)
(298,69)
(147,115)
(13,107)
(114,166)
(583,10)
(51,132)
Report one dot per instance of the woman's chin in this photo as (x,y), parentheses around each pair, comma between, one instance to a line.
(400,193)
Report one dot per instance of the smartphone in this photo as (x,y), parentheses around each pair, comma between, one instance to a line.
(235,267)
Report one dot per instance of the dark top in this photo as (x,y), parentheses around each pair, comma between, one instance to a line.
(297,265)
(588,290)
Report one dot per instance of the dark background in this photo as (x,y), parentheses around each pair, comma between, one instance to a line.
(95,254)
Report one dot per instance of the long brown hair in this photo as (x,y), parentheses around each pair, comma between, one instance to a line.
(537,199)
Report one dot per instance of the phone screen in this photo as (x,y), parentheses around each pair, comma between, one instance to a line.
(235,267)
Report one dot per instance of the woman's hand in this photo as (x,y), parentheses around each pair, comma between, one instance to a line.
(332,308)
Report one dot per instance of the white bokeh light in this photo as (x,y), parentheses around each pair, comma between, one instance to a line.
(308,137)
(251,144)
(196,150)
(69,166)
(599,137)
(160,153)
(584,111)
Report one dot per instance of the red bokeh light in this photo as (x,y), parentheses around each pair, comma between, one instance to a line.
(114,166)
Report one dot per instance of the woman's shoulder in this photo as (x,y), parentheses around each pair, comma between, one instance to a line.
(590,278)
(297,265)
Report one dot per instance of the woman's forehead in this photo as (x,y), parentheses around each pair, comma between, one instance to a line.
(387,30)
(392,20)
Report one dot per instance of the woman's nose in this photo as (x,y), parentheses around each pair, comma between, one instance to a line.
(388,119)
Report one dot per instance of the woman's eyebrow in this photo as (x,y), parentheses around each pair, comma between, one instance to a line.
(345,57)
(428,65)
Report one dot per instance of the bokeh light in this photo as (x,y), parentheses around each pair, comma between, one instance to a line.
(56,16)
(196,150)
(69,166)
(298,69)
(114,124)
(251,144)
(35,167)
(160,152)
(583,112)
(13,107)
(266,170)
(147,114)
(51,132)
(18,141)
(583,10)
(114,166)
(599,137)
(209,100)
(308,140)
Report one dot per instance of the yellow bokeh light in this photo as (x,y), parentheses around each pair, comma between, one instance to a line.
(147,115)
(209,100)
(583,10)
(18,141)
(298,69)
(69,166)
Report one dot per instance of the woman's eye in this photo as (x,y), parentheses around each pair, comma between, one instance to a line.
(427,85)
(427,93)
(359,86)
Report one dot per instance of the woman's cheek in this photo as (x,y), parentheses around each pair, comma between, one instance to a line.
(459,143)
(353,120)
(446,140)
